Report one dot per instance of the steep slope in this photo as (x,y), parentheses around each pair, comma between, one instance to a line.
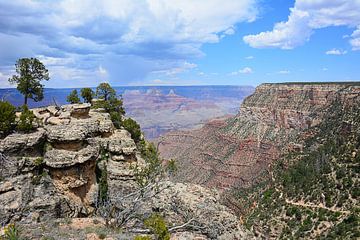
(313,193)
(240,149)
(76,164)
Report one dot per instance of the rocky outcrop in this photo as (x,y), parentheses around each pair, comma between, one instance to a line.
(62,169)
(238,150)
(52,172)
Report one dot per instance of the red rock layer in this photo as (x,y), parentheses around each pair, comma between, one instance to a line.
(239,149)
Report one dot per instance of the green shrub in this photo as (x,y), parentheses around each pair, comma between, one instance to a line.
(73,97)
(171,166)
(11,232)
(7,118)
(157,225)
(142,238)
(133,128)
(25,123)
(38,161)
(87,94)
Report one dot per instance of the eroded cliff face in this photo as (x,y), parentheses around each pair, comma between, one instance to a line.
(53,171)
(238,150)
(74,157)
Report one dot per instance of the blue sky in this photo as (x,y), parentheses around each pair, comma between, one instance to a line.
(182,42)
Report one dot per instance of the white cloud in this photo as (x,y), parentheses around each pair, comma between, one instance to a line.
(155,34)
(307,16)
(249,57)
(325,69)
(335,51)
(246,70)
(180,67)
(283,72)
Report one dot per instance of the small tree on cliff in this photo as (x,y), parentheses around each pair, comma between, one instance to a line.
(73,97)
(105,91)
(26,120)
(7,118)
(87,94)
(30,73)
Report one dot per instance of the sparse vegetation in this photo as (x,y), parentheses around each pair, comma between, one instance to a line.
(7,118)
(87,94)
(25,123)
(73,97)
(11,232)
(158,226)
(133,128)
(30,74)
(105,91)
(110,102)
(314,188)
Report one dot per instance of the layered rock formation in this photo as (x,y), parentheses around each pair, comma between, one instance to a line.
(51,172)
(61,169)
(240,149)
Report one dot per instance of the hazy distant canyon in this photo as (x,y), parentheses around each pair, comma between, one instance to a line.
(162,109)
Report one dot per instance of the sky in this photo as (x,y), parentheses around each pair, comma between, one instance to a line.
(182,42)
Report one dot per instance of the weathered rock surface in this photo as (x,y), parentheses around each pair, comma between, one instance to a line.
(52,171)
(180,202)
(56,172)
(240,149)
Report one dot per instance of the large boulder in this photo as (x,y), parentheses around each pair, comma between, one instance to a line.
(60,158)
(19,142)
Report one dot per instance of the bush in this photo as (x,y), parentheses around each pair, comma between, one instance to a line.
(157,225)
(7,118)
(25,123)
(73,97)
(87,94)
(133,128)
(11,232)
(105,91)
(114,107)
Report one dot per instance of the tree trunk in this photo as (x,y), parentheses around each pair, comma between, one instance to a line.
(25,101)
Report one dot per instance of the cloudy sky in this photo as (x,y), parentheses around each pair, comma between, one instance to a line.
(182,42)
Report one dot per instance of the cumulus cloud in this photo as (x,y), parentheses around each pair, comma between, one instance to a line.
(245,70)
(307,16)
(152,35)
(335,51)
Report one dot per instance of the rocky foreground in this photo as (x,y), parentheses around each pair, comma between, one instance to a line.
(53,176)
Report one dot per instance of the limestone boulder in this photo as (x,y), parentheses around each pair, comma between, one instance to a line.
(60,158)
(121,143)
(19,141)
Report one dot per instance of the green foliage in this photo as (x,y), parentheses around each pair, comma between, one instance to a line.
(158,226)
(7,118)
(349,227)
(30,73)
(87,94)
(111,103)
(101,176)
(38,161)
(324,173)
(133,128)
(73,97)
(105,91)
(11,232)
(153,169)
(171,166)
(25,123)
(142,238)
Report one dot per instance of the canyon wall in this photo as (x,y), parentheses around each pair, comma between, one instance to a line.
(73,161)
(238,150)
